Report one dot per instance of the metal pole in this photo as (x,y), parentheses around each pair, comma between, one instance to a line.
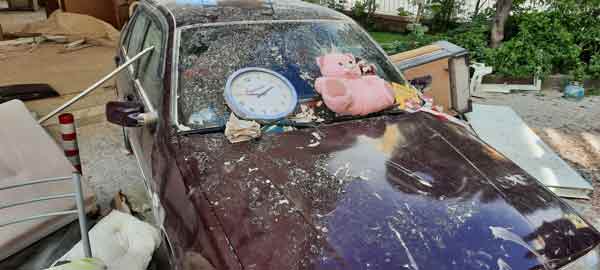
(95,85)
(85,240)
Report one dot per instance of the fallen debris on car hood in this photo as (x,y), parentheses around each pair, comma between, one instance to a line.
(393,192)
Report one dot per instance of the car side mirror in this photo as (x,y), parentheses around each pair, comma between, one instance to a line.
(124,113)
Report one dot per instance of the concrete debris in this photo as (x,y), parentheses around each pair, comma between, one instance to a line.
(75,44)
(56,38)
(306,115)
(37,39)
(22,41)
(121,203)
(120,240)
(238,130)
(314,144)
(77,48)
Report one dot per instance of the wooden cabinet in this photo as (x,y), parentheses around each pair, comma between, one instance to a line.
(441,71)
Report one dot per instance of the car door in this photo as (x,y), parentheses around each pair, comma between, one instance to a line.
(148,83)
(142,82)
(131,42)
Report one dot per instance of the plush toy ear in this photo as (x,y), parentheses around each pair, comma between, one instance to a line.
(320,61)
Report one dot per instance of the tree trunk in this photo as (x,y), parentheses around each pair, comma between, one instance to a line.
(503,8)
(477,7)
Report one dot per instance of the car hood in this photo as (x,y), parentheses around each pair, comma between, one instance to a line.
(392,192)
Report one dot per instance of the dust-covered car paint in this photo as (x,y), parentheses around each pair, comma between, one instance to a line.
(397,191)
(394,192)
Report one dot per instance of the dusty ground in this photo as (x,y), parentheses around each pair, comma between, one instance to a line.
(108,167)
(571,128)
(45,63)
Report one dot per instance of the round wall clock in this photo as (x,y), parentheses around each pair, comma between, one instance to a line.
(260,94)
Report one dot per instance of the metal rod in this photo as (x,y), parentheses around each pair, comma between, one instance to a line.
(85,239)
(40,181)
(40,199)
(38,217)
(95,85)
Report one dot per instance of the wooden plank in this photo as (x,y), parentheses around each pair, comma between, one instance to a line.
(16,42)
(74,49)
(396,58)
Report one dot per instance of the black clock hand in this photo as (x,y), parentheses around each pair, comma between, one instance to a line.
(265,92)
(253,92)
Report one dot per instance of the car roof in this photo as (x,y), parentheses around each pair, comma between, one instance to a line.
(193,12)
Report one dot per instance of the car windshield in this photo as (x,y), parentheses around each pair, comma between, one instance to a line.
(209,54)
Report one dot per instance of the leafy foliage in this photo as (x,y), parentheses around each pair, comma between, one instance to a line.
(443,13)
(403,12)
(474,35)
(563,38)
(363,12)
(543,45)
(413,40)
(593,68)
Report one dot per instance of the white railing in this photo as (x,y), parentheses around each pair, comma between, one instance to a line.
(77,195)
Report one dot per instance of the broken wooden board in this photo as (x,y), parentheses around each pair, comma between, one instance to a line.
(504,130)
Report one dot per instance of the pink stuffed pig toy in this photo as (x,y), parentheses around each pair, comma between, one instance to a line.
(345,91)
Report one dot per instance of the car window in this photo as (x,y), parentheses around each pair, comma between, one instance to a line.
(209,55)
(126,34)
(149,67)
(137,34)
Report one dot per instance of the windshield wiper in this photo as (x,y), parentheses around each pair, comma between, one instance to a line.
(291,123)
(343,118)
(218,129)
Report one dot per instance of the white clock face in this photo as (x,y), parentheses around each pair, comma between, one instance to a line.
(260,94)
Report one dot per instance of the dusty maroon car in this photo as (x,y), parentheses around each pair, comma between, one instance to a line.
(391,190)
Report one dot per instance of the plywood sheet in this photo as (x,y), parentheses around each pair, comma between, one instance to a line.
(414,53)
(503,129)
(440,84)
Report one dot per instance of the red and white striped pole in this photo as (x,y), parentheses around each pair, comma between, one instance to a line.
(69,139)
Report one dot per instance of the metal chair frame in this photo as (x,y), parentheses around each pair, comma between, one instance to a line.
(77,196)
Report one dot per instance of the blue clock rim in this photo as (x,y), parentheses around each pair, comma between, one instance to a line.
(235,108)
